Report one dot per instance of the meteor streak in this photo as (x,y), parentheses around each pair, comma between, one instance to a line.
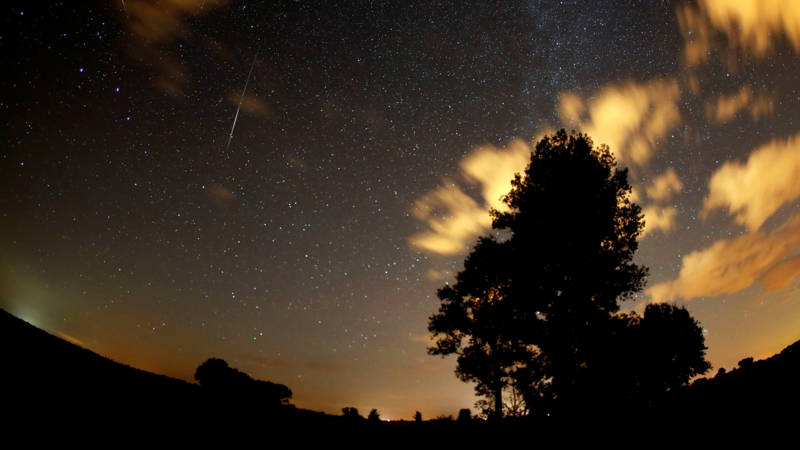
(238,108)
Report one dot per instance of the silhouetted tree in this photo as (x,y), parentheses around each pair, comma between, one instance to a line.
(673,349)
(216,376)
(464,415)
(214,373)
(573,234)
(374,416)
(351,413)
(472,323)
(538,309)
(417,416)
(651,355)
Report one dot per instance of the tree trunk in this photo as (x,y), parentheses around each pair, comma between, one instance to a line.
(498,400)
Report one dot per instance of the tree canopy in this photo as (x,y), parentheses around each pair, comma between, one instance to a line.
(217,377)
(538,309)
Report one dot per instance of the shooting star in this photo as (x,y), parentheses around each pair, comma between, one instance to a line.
(236,117)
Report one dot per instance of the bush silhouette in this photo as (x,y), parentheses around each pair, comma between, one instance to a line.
(215,376)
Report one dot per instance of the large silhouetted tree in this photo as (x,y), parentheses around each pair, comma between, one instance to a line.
(538,309)
(573,234)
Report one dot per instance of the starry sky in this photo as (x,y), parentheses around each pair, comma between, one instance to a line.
(285,184)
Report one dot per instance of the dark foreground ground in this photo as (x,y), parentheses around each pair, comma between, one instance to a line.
(55,391)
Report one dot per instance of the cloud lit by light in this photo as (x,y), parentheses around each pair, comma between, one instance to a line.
(727,107)
(753,25)
(730,265)
(781,275)
(753,190)
(629,117)
(251,104)
(665,186)
(453,218)
(658,218)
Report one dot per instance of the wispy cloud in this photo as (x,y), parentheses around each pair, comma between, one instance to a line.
(659,218)
(629,117)
(752,191)
(752,25)
(219,195)
(251,104)
(781,275)
(664,186)
(452,217)
(730,265)
(727,107)
(156,21)
(157,24)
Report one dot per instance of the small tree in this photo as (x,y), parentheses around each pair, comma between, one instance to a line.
(374,416)
(214,373)
(351,413)
(675,348)
(417,416)
(472,323)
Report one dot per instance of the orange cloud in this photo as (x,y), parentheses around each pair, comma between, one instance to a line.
(629,117)
(155,24)
(219,195)
(780,275)
(658,218)
(453,218)
(664,186)
(155,21)
(749,24)
(727,106)
(493,168)
(250,104)
(731,265)
(436,274)
(570,108)
(754,190)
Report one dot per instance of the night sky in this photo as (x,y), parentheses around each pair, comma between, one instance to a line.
(285,185)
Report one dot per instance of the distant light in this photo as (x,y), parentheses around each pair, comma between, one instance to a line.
(80,70)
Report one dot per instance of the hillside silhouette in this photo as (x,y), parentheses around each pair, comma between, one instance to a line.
(47,380)
(46,377)
(57,368)
(760,390)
